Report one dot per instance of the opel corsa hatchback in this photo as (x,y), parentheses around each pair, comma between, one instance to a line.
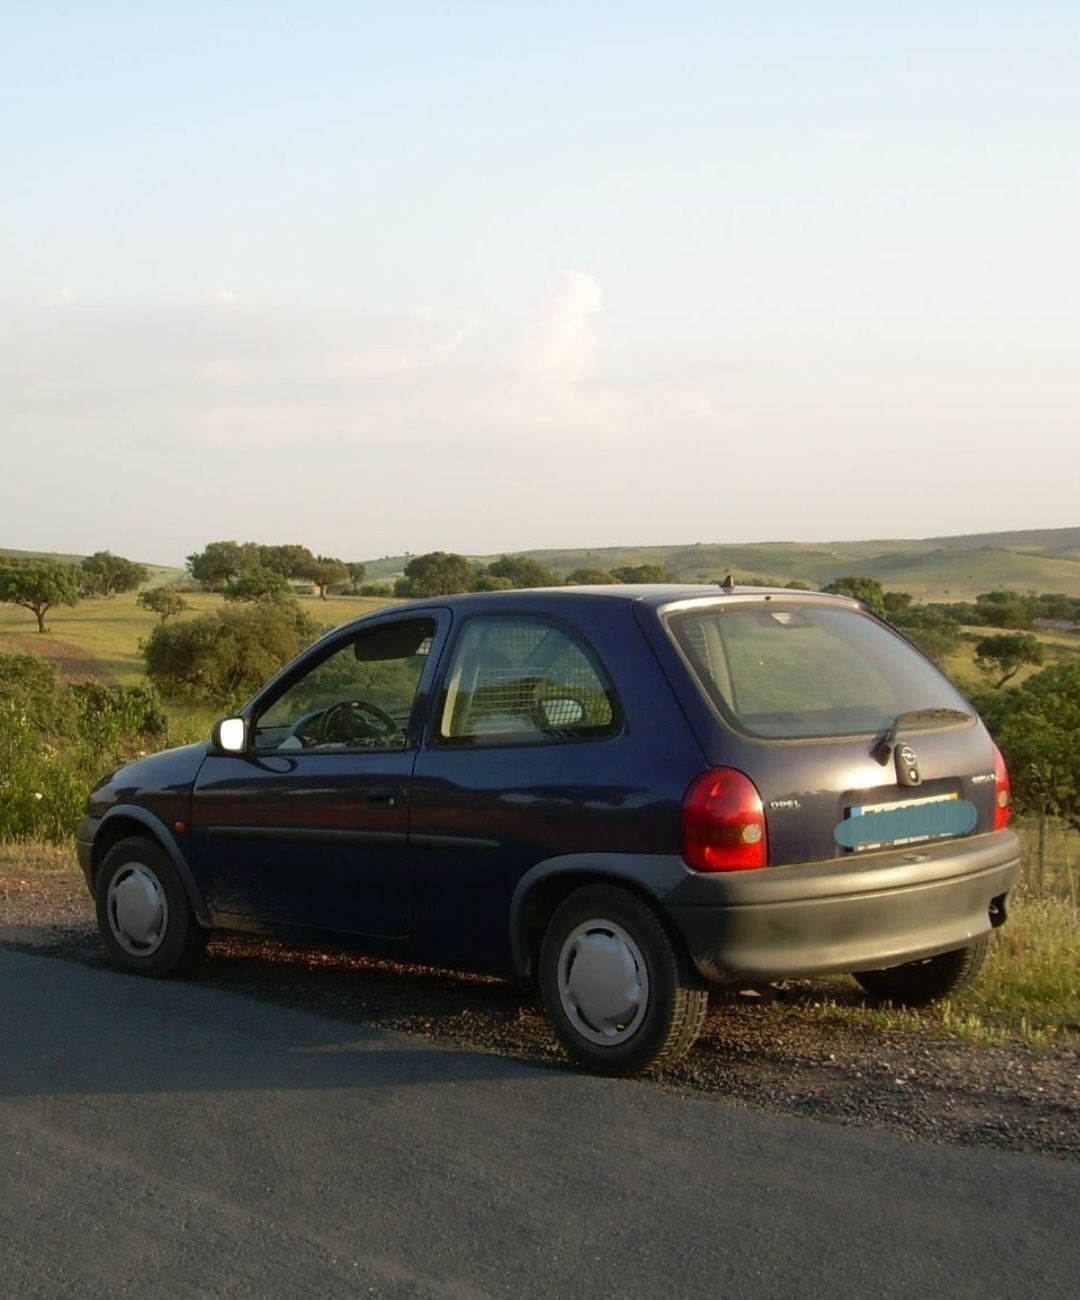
(629,794)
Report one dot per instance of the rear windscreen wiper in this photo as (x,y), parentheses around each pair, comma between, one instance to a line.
(883,746)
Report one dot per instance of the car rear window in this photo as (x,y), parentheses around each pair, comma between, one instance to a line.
(784,671)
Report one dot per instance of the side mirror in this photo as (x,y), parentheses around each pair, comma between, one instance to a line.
(229,735)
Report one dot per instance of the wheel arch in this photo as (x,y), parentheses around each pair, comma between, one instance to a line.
(126,820)
(543,888)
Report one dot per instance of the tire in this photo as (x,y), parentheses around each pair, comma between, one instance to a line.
(630,1006)
(918,983)
(146,920)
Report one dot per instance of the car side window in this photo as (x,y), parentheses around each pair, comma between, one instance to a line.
(358,697)
(516,680)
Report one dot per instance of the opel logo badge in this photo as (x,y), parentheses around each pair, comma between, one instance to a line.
(907,766)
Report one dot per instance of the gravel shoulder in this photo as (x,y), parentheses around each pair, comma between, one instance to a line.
(773,1053)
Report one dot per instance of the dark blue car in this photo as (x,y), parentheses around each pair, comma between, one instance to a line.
(627,793)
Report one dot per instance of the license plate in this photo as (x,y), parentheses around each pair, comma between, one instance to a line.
(908,821)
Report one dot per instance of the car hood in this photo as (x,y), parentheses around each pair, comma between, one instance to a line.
(169,774)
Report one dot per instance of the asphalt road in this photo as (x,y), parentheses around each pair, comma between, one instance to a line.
(169,1139)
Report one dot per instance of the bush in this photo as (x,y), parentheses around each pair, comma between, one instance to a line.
(57,740)
(1036,726)
(115,720)
(221,658)
(42,789)
(31,685)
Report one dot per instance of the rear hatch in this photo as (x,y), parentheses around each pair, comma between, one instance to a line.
(856,742)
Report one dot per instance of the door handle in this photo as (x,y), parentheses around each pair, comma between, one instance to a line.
(382,796)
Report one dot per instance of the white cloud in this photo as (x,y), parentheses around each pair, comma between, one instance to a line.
(564,343)
(227,370)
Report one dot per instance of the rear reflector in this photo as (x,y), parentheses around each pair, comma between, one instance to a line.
(1002,794)
(723,823)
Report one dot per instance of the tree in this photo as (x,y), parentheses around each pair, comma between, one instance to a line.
(288,560)
(929,626)
(39,585)
(356,572)
(108,574)
(868,590)
(1036,726)
(589,577)
(258,584)
(522,571)
(1006,609)
(488,582)
(322,571)
(897,604)
(222,657)
(1004,655)
(163,601)
(218,563)
(438,573)
(641,573)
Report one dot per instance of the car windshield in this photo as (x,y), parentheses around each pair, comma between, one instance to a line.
(784,670)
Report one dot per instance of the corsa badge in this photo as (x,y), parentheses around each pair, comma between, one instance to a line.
(907,766)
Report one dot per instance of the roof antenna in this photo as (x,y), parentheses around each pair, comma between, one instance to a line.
(729,583)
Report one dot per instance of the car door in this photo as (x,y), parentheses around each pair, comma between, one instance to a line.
(308,828)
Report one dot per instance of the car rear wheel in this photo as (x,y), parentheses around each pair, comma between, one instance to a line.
(918,983)
(615,985)
(146,921)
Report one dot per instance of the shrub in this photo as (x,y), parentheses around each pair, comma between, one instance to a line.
(42,789)
(1037,725)
(221,658)
(56,741)
(114,721)
(31,685)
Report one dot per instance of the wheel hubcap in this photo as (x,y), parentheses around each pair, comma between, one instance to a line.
(138,910)
(603,982)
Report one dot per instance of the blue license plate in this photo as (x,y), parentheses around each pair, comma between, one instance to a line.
(911,821)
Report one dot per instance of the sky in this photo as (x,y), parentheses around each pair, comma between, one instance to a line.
(487,277)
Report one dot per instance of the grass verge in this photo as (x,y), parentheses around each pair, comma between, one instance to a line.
(1028,991)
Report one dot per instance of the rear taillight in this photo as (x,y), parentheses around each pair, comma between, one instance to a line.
(723,823)
(1002,795)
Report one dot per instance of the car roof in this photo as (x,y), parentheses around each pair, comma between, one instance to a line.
(655,595)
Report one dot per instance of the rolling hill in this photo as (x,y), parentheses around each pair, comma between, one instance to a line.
(933,568)
(937,568)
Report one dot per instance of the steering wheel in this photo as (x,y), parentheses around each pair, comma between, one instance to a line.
(345,723)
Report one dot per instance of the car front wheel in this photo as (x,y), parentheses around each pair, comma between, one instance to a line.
(918,983)
(615,985)
(146,921)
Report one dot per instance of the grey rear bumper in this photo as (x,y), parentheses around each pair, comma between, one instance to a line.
(860,913)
